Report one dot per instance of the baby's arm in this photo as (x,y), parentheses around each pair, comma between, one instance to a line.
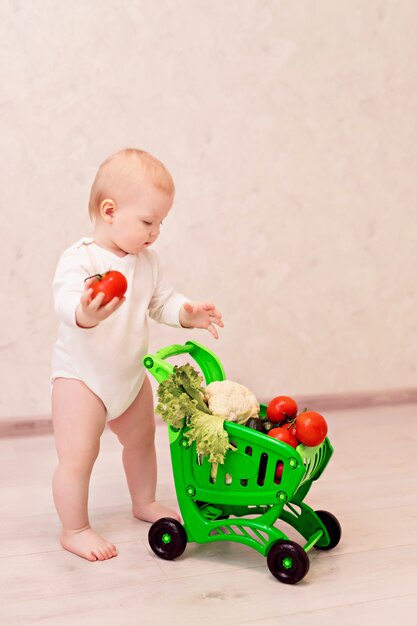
(89,313)
(172,308)
(166,302)
(72,296)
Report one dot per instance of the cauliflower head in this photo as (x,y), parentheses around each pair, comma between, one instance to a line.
(232,401)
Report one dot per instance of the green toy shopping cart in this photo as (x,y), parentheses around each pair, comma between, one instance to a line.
(248,494)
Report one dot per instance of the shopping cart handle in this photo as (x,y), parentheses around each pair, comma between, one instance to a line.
(208,362)
(173,350)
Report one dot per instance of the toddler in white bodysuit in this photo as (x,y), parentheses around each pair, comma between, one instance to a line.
(97,371)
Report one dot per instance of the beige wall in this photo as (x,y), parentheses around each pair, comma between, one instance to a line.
(290,128)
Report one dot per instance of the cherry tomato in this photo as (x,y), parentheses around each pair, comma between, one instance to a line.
(289,426)
(112,283)
(281,408)
(284,435)
(278,472)
(310,428)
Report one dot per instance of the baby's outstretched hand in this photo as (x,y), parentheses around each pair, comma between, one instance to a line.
(201,315)
(89,312)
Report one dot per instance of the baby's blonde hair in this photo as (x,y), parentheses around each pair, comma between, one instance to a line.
(117,171)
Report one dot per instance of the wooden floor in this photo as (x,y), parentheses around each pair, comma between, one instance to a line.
(370,578)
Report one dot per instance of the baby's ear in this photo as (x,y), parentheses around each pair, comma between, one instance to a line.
(107,208)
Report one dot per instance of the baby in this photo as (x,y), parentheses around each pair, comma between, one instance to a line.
(97,371)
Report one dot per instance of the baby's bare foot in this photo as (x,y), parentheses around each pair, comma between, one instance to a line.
(153,511)
(88,544)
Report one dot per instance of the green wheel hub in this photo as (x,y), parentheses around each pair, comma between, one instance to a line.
(166,538)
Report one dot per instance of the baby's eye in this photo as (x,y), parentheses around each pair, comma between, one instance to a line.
(147,223)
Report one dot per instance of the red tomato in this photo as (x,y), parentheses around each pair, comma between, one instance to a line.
(284,435)
(281,408)
(289,426)
(112,283)
(278,472)
(310,428)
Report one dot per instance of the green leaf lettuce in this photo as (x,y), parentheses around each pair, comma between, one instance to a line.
(182,396)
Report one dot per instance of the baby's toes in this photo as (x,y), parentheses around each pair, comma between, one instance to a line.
(108,552)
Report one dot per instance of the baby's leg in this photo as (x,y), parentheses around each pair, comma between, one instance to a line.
(135,429)
(79,417)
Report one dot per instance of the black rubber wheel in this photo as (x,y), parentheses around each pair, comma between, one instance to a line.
(331,523)
(287,561)
(167,538)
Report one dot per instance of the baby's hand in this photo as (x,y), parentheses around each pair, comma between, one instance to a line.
(201,315)
(89,312)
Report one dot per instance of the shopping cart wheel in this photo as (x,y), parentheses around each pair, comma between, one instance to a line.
(331,523)
(287,561)
(167,538)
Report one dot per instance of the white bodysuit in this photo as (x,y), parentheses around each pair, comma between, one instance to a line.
(108,357)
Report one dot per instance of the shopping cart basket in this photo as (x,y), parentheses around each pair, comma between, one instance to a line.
(248,494)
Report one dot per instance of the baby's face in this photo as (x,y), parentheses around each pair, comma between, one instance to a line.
(138,215)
